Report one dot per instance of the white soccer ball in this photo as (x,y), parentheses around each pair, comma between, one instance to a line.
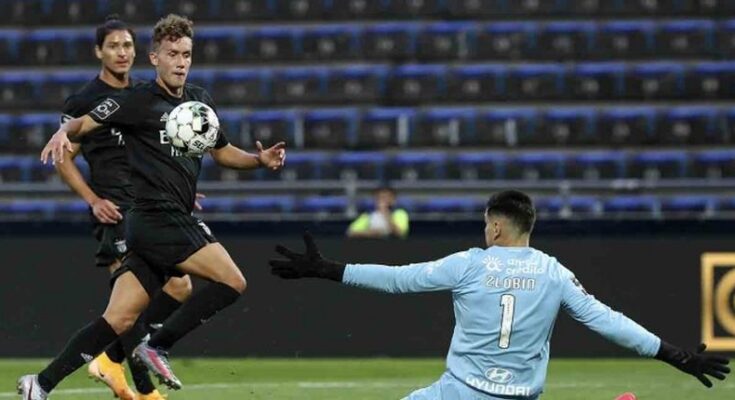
(193,128)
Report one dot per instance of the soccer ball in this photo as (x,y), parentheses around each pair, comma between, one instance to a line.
(192,127)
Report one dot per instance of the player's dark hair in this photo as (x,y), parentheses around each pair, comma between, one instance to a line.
(112,23)
(516,206)
(171,27)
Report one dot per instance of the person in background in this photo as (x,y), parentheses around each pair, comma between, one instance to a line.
(385,221)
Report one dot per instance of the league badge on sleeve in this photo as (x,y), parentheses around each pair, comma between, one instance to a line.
(105,109)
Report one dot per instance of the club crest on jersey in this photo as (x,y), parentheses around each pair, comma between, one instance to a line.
(105,109)
(121,246)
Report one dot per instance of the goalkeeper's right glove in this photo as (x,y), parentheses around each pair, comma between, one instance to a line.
(308,265)
(695,363)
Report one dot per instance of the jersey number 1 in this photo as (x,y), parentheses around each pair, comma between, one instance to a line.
(508,302)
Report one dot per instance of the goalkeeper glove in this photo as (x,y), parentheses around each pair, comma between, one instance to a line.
(696,363)
(308,265)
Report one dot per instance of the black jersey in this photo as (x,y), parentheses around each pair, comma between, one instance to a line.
(103,149)
(163,177)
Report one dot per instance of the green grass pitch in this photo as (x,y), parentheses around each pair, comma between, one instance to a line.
(381,379)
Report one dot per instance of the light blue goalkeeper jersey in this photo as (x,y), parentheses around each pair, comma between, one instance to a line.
(506,300)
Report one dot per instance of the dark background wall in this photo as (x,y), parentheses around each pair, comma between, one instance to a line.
(49,288)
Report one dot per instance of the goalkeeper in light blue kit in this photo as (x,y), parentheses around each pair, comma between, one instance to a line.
(506,299)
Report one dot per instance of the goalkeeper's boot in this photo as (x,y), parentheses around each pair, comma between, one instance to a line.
(156,360)
(154,395)
(112,374)
(29,389)
(626,396)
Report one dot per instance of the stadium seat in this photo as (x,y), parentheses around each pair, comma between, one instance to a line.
(472,83)
(690,125)
(584,205)
(264,204)
(243,10)
(45,47)
(714,164)
(6,138)
(620,205)
(220,44)
(585,7)
(300,9)
(567,126)
(32,131)
(9,46)
(659,164)
(625,40)
(136,11)
(358,9)
(562,41)
(726,204)
(390,41)
(549,206)
(693,38)
(331,42)
(30,208)
(364,165)
(505,41)
(468,9)
(356,84)
(299,85)
(385,127)
(273,126)
(273,43)
(71,209)
(509,127)
(726,39)
(712,80)
(216,205)
(451,205)
(413,8)
(689,203)
(303,166)
(322,204)
(596,165)
(443,41)
(411,166)
(530,8)
(537,82)
(536,165)
(18,90)
(330,128)
(15,168)
(412,84)
(442,127)
(478,165)
(598,81)
(646,7)
(57,86)
(242,87)
(627,125)
(655,81)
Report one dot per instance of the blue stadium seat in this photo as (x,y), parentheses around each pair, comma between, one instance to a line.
(46,47)
(242,10)
(71,208)
(628,204)
(714,164)
(478,165)
(535,165)
(300,9)
(726,204)
(322,204)
(385,127)
(330,128)
(16,168)
(233,124)
(726,39)
(690,125)
(689,203)
(692,38)
(411,166)
(530,8)
(299,85)
(81,47)
(443,41)
(242,87)
(562,126)
(645,8)
(442,127)
(471,83)
(9,46)
(32,131)
(349,10)
(356,84)
(627,125)
(19,90)
(414,84)
(548,205)
(412,9)
(656,80)
(475,9)
(264,204)
(451,205)
(596,81)
(6,138)
(272,126)
(625,40)
(505,41)
(24,12)
(331,42)
(595,165)
(29,207)
(509,127)
(215,205)
(537,82)
(136,11)
(659,164)
(57,86)
(712,80)
(364,165)
(219,44)
(197,10)
(584,205)
(304,166)
(393,41)
(271,43)
(562,41)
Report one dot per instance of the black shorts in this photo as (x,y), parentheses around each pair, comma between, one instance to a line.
(158,241)
(112,245)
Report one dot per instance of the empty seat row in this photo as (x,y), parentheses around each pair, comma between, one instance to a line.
(85,11)
(404,41)
(385,128)
(586,206)
(412,84)
(712,165)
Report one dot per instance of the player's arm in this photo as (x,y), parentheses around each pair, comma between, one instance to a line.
(59,142)
(230,156)
(104,210)
(444,274)
(625,332)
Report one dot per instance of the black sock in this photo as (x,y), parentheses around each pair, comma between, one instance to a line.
(139,372)
(82,348)
(197,310)
(161,307)
(115,352)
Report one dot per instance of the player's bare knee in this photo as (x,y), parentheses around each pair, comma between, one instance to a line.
(179,288)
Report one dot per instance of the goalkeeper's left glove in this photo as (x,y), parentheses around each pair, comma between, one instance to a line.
(308,265)
(695,363)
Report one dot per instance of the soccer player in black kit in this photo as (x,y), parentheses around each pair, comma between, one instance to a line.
(164,239)
(109,195)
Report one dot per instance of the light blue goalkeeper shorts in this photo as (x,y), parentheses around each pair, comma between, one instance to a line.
(450,388)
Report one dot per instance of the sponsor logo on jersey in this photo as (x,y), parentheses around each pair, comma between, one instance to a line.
(105,109)
(493,264)
(499,375)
